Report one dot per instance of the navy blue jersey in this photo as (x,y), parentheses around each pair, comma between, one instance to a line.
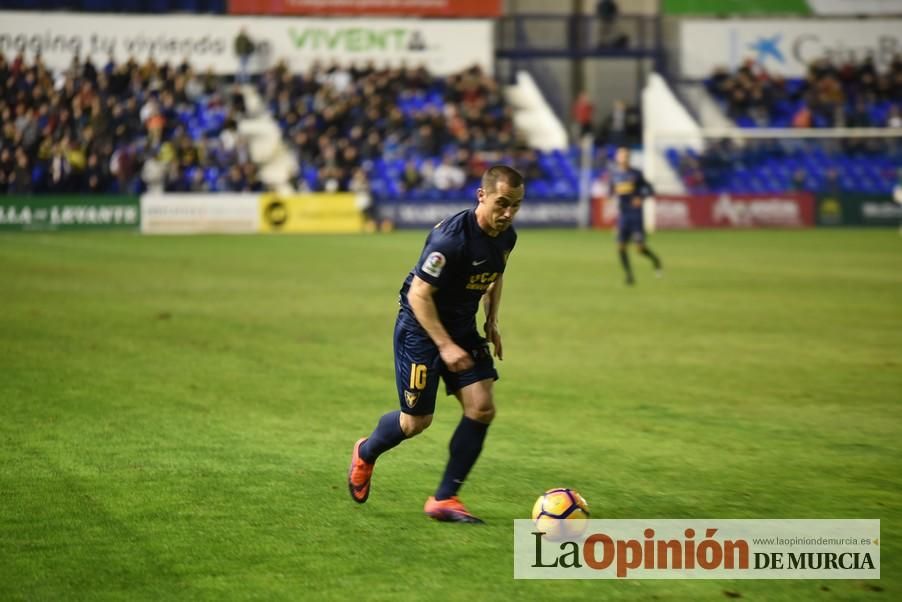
(630,188)
(461,261)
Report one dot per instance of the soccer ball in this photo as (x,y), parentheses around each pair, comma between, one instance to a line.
(561,514)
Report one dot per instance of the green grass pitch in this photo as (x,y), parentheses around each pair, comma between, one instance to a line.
(176,414)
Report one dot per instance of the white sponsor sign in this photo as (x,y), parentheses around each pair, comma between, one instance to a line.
(698,549)
(443,46)
(785,47)
(856,7)
(199,213)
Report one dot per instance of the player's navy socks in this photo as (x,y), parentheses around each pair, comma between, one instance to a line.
(625,262)
(466,443)
(387,435)
(654,258)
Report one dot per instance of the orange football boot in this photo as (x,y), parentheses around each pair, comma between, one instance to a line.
(359,475)
(450,510)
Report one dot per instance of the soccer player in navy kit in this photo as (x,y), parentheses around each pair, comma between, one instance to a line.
(631,189)
(435,336)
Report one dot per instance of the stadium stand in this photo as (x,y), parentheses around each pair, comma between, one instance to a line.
(402,133)
(414,135)
(850,165)
(119,128)
(853,95)
(850,95)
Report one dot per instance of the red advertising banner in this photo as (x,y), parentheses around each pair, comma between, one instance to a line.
(404,8)
(604,212)
(675,212)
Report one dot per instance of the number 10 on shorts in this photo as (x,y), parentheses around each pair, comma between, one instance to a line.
(417,377)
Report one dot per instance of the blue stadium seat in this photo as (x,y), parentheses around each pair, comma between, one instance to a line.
(159,6)
(540,189)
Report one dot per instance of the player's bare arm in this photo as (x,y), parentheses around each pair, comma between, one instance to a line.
(423,306)
(492,303)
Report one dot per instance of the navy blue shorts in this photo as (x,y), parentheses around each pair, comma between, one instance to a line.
(630,230)
(418,367)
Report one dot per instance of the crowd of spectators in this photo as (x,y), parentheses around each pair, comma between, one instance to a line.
(129,128)
(118,128)
(831,95)
(400,126)
(835,96)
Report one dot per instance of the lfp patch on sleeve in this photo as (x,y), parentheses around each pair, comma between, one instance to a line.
(434,264)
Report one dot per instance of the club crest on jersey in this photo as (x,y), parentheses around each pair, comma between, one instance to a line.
(411,397)
(434,264)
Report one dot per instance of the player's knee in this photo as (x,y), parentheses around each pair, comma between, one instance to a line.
(484,414)
(414,425)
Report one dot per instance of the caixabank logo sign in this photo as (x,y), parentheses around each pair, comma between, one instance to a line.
(785,47)
(701,549)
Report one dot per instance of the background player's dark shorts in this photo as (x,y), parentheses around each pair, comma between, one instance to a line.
(631,230)
(418,366)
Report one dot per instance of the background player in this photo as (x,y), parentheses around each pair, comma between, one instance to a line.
(462,262)
(630,188)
